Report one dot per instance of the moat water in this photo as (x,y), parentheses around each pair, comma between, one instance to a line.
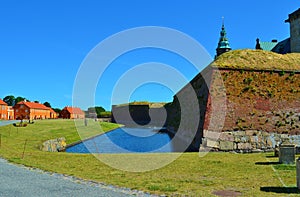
(127,140)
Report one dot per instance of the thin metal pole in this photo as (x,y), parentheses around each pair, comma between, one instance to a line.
(24,149)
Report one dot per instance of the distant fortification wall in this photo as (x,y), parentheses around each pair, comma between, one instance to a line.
(139,114)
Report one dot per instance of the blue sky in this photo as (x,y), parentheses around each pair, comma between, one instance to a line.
(43,43)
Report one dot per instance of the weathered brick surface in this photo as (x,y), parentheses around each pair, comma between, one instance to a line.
(253,104)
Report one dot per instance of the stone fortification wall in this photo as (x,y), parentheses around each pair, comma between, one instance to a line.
(233,101)
(139,114)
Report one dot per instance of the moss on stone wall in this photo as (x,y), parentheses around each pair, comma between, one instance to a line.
(262,92)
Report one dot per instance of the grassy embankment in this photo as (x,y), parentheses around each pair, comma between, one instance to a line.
(249,174)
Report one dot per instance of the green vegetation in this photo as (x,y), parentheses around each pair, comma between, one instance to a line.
(151,104)
(12,100)
(189,175)
(105,114)
(98,110)
(258,60)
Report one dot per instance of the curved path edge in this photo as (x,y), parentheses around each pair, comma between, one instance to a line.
(19,180)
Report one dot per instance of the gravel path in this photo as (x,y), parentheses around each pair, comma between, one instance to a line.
(17,180)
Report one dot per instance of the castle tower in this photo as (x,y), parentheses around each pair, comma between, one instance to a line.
(294,20)
(223,45)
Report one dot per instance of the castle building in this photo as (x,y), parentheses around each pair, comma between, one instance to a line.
(294,20)
(223,45)
(289,45)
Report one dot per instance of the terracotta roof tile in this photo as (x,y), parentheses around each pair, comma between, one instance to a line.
(51,110)
(74,110)
(34,105)
(2,102)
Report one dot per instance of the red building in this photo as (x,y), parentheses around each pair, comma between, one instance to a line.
(30,111)
(3,110)
(72,113)
(53,114)
(6,112)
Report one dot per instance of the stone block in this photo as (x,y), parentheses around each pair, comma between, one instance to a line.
(251,132)
(237,138)
(254,139)
(212,143)
(245,139)
(269,143)
(226,145)
(255,146)
(260,139)
(54,145)
(265,134)
(235,146)
(226,137)
(287,154)
(244,146)
(211,134)
(241,133)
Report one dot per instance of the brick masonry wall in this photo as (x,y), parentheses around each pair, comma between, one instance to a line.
(258,100)
(239,101)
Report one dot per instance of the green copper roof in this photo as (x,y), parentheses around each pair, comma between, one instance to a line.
(268,46)
(223,42)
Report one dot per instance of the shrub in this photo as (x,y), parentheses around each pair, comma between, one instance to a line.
(281,73)
(247,88)
(248,81)
(106,114)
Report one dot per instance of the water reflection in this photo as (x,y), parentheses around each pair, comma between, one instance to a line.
(128,140)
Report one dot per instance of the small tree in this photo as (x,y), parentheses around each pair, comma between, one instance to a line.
(57,110)
(19,99)
(47,104)
(10,100)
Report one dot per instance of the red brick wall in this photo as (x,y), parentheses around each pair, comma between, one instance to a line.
(261,100)
(239,100)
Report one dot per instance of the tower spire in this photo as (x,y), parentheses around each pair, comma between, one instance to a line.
(223,45)
(222,21)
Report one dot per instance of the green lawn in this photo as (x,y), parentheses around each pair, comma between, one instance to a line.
(191,175)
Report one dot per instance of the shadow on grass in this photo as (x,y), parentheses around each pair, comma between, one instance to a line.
(267,163)
(281,190)
(271,156)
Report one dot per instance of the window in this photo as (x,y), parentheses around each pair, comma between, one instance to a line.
(26,110)
(17,110)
